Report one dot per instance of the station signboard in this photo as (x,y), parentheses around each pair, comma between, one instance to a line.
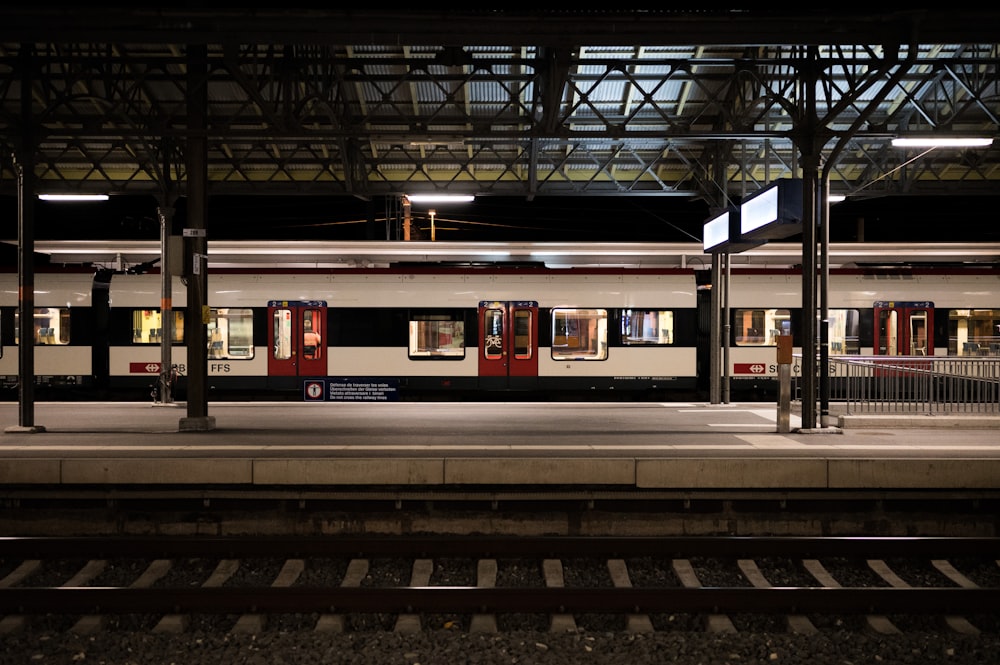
(773,213)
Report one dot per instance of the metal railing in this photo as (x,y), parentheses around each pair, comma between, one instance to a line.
(914,384)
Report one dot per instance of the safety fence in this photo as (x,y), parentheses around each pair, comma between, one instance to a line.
(914,384)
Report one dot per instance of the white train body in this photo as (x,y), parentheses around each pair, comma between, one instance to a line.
(479,331)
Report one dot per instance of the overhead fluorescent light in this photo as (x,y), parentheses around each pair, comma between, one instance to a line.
(441,198)
(73,197)
(836,198)
(941,142)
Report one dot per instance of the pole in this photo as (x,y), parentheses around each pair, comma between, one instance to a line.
(24,165)
(196,244)
(166,214)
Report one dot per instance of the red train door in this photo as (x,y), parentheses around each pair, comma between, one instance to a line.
(904,328)
(508,345)
(296,335)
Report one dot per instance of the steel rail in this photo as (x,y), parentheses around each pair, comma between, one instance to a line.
(491,546)
(236,600)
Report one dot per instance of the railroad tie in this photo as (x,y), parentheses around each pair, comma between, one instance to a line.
(634,623)
(957,623)
(178,623)
(552,569)
(91,623)
(255,622)
(486,577)
(714,623)
(15,622)
(91,570)
(877,622)
(797,623)
(335,622)
(420,576)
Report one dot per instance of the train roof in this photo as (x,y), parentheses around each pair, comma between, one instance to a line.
(375,254)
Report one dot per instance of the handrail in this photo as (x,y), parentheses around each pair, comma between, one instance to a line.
(915,384)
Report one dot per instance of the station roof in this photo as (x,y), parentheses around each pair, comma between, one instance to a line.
(708,105)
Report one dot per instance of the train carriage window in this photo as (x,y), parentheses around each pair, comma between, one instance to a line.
(282,323)
(523,346)
(437,335)
(312,334)
(974,332)
(230,334)
(51,326)
(147,326)
(493,343)
(579,334)
(760,327)
(844,328)
(647,326)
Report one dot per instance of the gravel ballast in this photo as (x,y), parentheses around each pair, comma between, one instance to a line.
(453,648)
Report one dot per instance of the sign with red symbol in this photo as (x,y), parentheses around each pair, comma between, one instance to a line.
(749,368)
(144,368)
(314,391)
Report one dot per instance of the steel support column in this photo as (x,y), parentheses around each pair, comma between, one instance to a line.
(196,244)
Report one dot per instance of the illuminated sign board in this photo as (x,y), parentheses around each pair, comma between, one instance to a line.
(722,234)
(773,213)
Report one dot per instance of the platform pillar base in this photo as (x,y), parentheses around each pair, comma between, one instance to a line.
(199,424)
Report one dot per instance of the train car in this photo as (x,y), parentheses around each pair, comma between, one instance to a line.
(63,330)
(481,330)
(877,312)
(382,333)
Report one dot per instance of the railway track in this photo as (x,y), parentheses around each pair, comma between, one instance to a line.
(485,584)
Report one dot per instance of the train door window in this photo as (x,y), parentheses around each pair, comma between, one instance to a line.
(974,332)
(918,332)
(523,344)
(282,323)
(844,330)
(147,326)
(437,335)
(312,334)
(760,327)
(647,326)
(579,334)
(230,333)
(493,333)
(888,338)
(50,326)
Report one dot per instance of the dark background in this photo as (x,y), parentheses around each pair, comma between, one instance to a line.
(500,219)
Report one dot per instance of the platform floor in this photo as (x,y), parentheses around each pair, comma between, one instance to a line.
(642,445)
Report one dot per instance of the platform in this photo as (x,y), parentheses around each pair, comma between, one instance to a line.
(676,446)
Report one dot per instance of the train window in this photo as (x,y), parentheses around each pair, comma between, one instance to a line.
(147,326)
(51,325)
(647,326)
(844,328)
(493,343)
(230,333)
(437,335)
(523,346)
(282,323)
(974,332)
(579,334)
(312,334)
(760,327)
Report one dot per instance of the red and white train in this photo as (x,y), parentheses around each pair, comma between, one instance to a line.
(394,320)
